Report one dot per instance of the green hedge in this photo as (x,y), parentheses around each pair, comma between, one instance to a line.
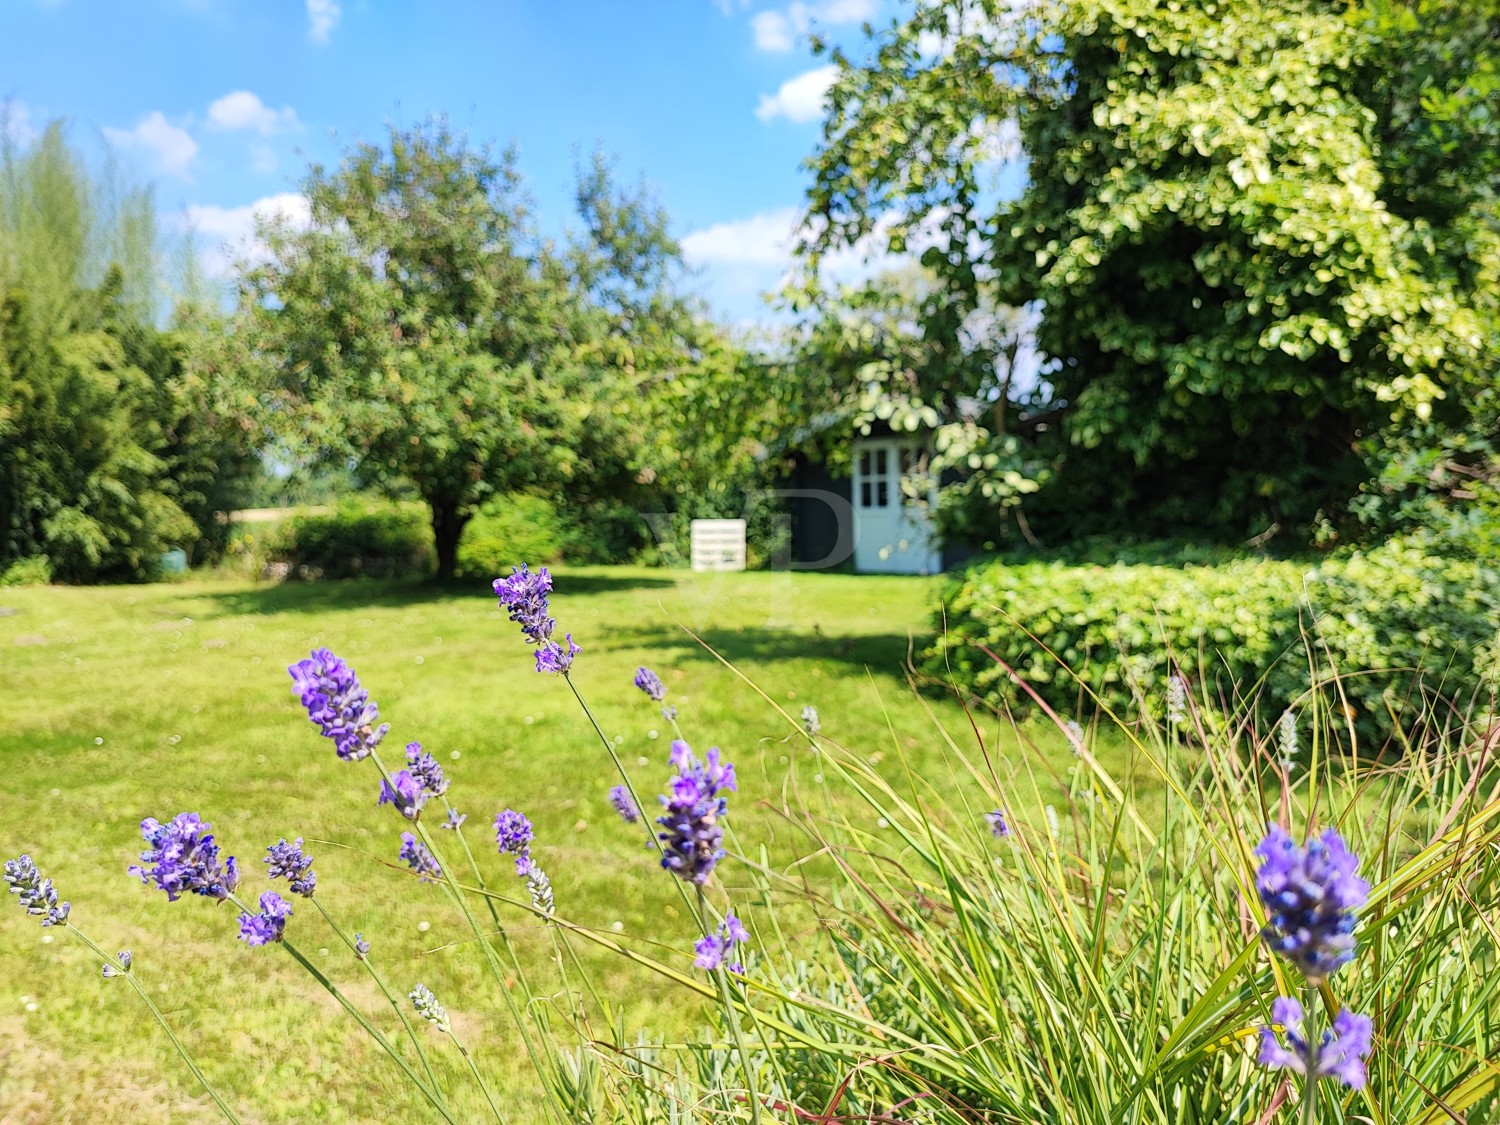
(510,530)
(520,527)
(378,539)
(1403,628)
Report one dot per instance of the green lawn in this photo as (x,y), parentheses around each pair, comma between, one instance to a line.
(125,702)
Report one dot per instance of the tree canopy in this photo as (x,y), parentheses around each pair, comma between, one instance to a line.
(1261,235)
(420,329)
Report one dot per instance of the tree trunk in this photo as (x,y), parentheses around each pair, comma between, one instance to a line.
(447,527)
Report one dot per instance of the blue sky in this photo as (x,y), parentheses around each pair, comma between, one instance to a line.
(222,103)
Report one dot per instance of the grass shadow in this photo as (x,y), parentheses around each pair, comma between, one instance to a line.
(389,593)
(884,654)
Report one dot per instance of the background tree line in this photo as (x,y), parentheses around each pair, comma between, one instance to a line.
(1257,249)
(417,337)
(117,437)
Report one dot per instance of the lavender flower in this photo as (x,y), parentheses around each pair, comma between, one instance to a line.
(424,767)
(415,855)
(455,820)
(524,597)
(37,895)
(650,683)
(999,826)
(1310,895)
(428,1008)
(513,836)
(267,926)
(289,861)
(406,794)
(361,946)
(552,657)
(334,699)
(540,889)
(182,858)
(713,949)
(691,843)
(620,798)
(124,958)
(1287,737)
(1176,700)
(810,721)
(669,713)
(1341,1054)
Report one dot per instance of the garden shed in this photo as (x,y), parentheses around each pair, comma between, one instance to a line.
(852,514)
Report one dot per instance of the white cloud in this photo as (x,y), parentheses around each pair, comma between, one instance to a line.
(760,240)
(773,31)
(322,18)
(229,232)
(778,29)
(173,148)
(742,259)
(244,110)
(799,99)
(15,123)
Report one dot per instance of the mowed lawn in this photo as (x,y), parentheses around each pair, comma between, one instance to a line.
(125,702)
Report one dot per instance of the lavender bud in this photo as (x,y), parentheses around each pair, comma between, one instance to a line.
(37,895)
(620,798)
(290,862)
(650,683)
(428,1008)
(415,855)
(694,803)
(182,858)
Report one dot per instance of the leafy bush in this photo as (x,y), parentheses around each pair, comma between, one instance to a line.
(509,530)
(521,527)
(35,571)
(1418,629)
(359,538)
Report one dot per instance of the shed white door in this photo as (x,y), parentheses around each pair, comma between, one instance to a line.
(891,536)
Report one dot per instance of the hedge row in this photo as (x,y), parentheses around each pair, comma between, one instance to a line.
(1404,629)
(371,538)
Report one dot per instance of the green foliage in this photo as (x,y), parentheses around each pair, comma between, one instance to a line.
(510,530)
(1103,962)
(1409,633)
(35,571)
(360,538)
(115,440)
(1262,237)
(422,331)
(410,327)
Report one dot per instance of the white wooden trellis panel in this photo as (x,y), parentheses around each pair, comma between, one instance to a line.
(718,544)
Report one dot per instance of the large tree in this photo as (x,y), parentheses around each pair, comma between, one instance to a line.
(412,325)
(1250,272)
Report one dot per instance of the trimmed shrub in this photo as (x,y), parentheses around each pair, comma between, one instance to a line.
(35,571)
(376,539)
(509,530)
(1419,629)
(522,527)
